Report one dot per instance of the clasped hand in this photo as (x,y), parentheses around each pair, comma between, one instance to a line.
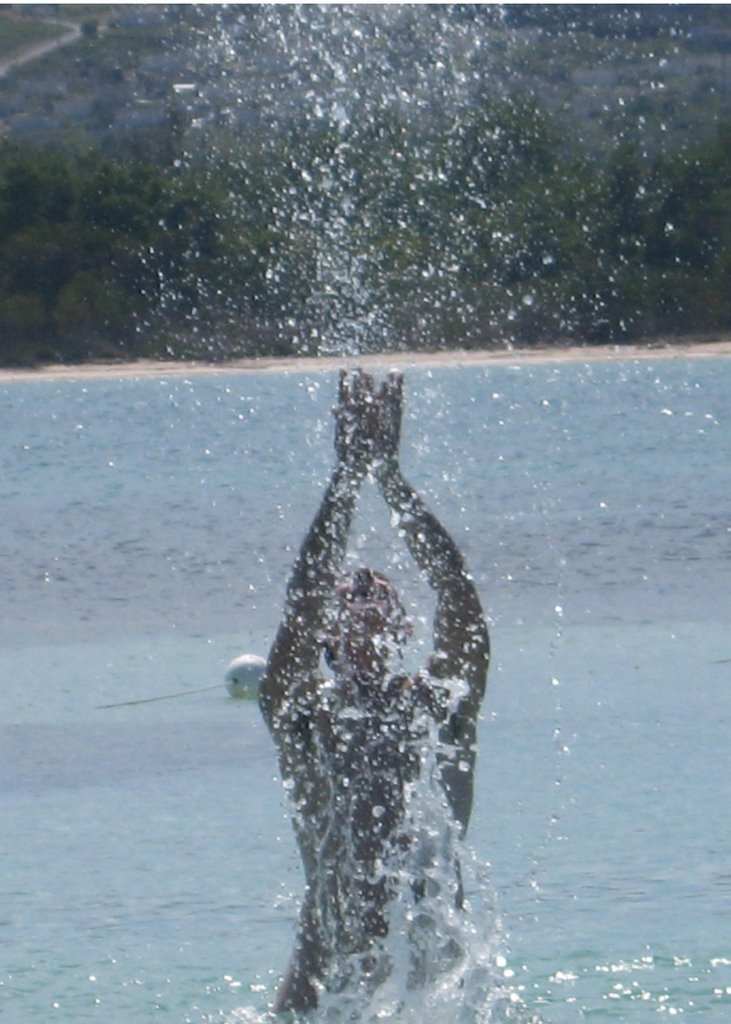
(368,422)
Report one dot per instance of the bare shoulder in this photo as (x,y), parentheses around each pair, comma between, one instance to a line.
(438,690)
(284,702)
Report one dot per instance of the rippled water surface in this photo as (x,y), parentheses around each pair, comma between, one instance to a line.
(146,530)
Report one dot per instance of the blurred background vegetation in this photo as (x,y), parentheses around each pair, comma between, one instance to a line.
(184,182)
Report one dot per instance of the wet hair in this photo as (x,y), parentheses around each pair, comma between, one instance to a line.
(365,586)
(362,588)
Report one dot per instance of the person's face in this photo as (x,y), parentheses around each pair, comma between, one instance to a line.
(366,634)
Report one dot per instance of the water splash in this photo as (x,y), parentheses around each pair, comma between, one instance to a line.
(443,957)
(379,106)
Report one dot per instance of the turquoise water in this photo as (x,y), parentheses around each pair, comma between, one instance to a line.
(146,530)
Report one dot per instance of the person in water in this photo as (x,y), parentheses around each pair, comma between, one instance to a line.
(350,747)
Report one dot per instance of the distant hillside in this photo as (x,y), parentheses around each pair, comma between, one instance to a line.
(215,181)
(142,76)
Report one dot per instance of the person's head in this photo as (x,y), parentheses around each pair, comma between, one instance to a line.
(370,624)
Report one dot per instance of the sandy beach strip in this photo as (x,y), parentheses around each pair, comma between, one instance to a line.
(658,350)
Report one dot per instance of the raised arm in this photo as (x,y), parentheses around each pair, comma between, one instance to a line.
(460,632)
(295,653)
(461,646)
(461,642)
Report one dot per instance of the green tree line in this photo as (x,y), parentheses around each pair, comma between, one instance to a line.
(381,234)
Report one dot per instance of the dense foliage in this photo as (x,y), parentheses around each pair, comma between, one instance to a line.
(489,230)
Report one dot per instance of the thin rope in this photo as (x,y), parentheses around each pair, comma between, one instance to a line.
(149,700)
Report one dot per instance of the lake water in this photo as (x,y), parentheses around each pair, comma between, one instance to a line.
(146,530)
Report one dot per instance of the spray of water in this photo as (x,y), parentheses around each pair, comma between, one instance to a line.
(380,103)
(383,108)
(442,958)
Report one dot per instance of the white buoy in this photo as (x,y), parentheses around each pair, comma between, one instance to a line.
(244,675)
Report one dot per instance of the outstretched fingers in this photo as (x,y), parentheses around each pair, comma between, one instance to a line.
(388,434)
(343,389)
(356,417)
(355,390)
(368,420)
(392,387)
(362,387)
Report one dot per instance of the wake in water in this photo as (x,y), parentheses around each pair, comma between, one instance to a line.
(440,965)
(442,961)
(442,958)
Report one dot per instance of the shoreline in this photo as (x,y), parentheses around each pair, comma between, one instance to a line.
(675,349)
